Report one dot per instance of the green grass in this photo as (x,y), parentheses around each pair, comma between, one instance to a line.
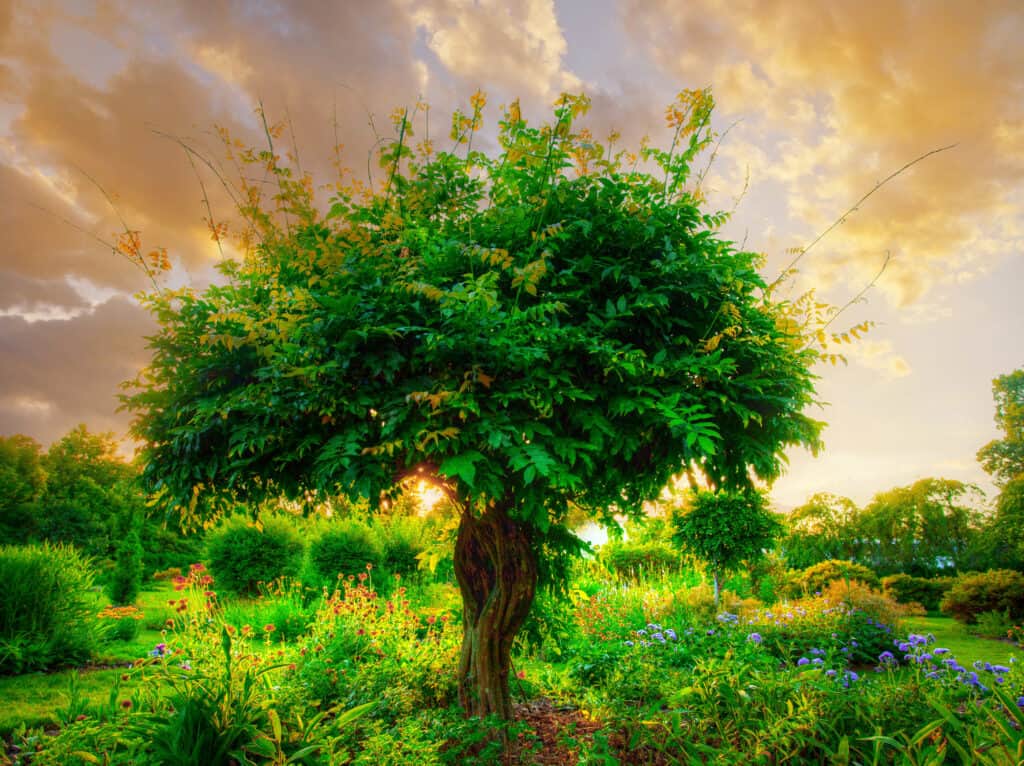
(955,637)
(36,699)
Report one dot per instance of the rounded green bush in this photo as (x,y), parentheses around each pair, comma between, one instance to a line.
(345,547)
(47,617)
(403,541)
(999,590)
(926,591)
(241,556)
(815,578)
(636,559)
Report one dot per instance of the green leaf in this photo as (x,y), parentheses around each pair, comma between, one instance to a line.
(462,466)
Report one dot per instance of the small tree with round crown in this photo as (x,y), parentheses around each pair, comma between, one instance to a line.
(545,326)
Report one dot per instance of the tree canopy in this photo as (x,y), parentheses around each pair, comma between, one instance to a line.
(725,528)
(823,528)
(558,323)
(920,529)
(1004,458)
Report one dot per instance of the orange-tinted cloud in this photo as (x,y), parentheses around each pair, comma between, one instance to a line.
(842,94)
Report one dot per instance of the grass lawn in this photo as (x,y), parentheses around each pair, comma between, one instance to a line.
(965,647)
(37,699)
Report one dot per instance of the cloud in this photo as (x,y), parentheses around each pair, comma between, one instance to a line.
(59,373)
(840,95)
(877,355)
(518,47)
(24,295)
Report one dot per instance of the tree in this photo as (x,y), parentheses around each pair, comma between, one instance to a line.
(1004,458)
(726,528)
(821,529)
(921,529)
(1004,536)
(542,327)
(22,483)
(88,490)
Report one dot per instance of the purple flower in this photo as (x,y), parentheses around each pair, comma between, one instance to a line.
(671,635)
(940,650)
(629,643)
(802,661)
(887,657)
(830,673)
(1020,701)
(754,638)
(818,661)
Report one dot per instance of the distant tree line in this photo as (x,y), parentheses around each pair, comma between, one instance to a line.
(933,526)
(80,491)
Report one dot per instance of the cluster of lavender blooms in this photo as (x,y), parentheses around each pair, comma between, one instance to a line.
(941,665)
(656,634)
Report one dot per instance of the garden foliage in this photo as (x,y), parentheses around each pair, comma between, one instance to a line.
(926,591)
(559,323)
(47,615)
(242,554)
(1000,590)
(814,579)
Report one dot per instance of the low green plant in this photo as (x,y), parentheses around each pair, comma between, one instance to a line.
(242,554)
(47,612)
(993,624)
(122,623)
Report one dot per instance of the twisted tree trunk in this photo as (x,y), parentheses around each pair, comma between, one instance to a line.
(496,568)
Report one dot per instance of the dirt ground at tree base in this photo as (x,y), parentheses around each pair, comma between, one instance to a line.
(558,733)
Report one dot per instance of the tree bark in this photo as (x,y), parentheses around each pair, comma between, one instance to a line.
(496,568)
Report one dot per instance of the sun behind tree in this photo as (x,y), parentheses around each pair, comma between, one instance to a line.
(542,327)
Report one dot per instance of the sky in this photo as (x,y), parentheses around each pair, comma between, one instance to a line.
(817,102)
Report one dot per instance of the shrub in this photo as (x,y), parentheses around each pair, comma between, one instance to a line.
(636,559)
(927,591)
(814,579)
(241,555)
(402,541)
(871,601)
(126,578)
(345,547)
(46,612)
(1000,590)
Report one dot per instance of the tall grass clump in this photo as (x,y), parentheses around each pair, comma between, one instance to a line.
(242,555)
(46,609)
